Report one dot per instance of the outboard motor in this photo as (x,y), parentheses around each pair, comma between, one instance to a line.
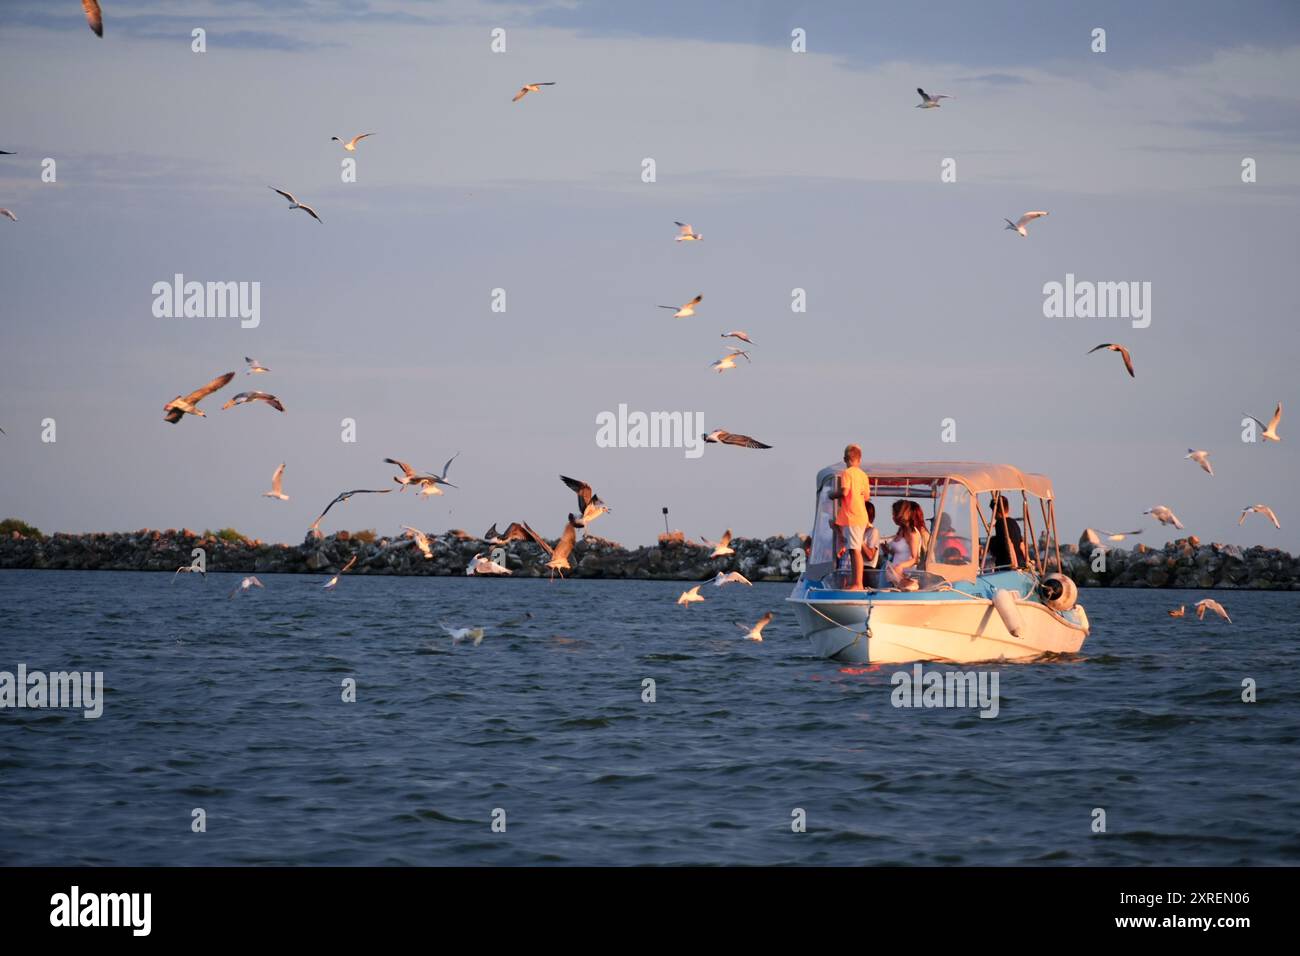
(1059,592)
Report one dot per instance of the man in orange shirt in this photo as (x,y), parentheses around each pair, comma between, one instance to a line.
(851,521)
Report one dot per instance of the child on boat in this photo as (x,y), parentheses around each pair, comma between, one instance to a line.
(851,519)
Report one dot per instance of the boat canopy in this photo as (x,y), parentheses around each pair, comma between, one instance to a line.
(977,476)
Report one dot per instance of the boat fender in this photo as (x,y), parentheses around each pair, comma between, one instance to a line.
(1005,602)
(1059,592)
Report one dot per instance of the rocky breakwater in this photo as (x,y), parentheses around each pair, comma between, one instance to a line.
(672,558)
(1184,563)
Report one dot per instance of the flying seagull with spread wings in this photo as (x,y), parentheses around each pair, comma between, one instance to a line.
(1264,510)
(530,88)
(1209,604)
(687,310)
(515,532)
(179,406)
(686,233)
(1270,430)
(738,334)
(333,582)
(1202,458)
(589,503)
(1116,347)
(428,483)
(244,398)
(276,488)
(350,145)
(344,496)
(244,585)
(8,214)
(722,547)
(559,554)
(755,633)
(728,438)
(929,102)
(254,366)
(295,204)
(1164,516)
(1018,227)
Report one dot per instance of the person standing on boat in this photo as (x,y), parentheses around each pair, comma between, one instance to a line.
(1006,546)
(851,520)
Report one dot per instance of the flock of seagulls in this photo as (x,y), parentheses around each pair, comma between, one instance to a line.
(590,506)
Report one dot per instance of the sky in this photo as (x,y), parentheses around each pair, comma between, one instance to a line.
(808,171)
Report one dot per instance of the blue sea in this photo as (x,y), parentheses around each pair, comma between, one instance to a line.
(235,708)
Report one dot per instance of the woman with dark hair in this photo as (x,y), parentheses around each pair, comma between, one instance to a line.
(905,546)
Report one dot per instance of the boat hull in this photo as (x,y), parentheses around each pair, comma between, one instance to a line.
(965,630)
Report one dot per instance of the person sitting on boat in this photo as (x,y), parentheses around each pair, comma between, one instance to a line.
(871,541)
(851,519)
(1006,546)
(952,547)
(905,546)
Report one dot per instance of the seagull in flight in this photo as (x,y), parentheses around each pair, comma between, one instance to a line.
(1264,510)
(1019,226)
(7,152)
(244,398)
(276,489)
(687,310)
(729,360)
(93,16)
(686,233)
(333,582)
(559,554)
(589,503)
(1202,458)
(1120,535)
(530,88)
(733,577)
(350,145)
(1164,516)
(8,214)
(244,585)
(1268,434)
(344,496)
(189,569)
(1182,610)
(421,541)
(722,547)
(515,532)
(929,102)
(428,483)
(728,438)
(179,407)
(254,366)
(755,633)
(1209,604)
(481,565)
(690,597)
(294,204)
(738,334)
(1116,347)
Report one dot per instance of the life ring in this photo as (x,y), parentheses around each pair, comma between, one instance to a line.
(1059,592)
